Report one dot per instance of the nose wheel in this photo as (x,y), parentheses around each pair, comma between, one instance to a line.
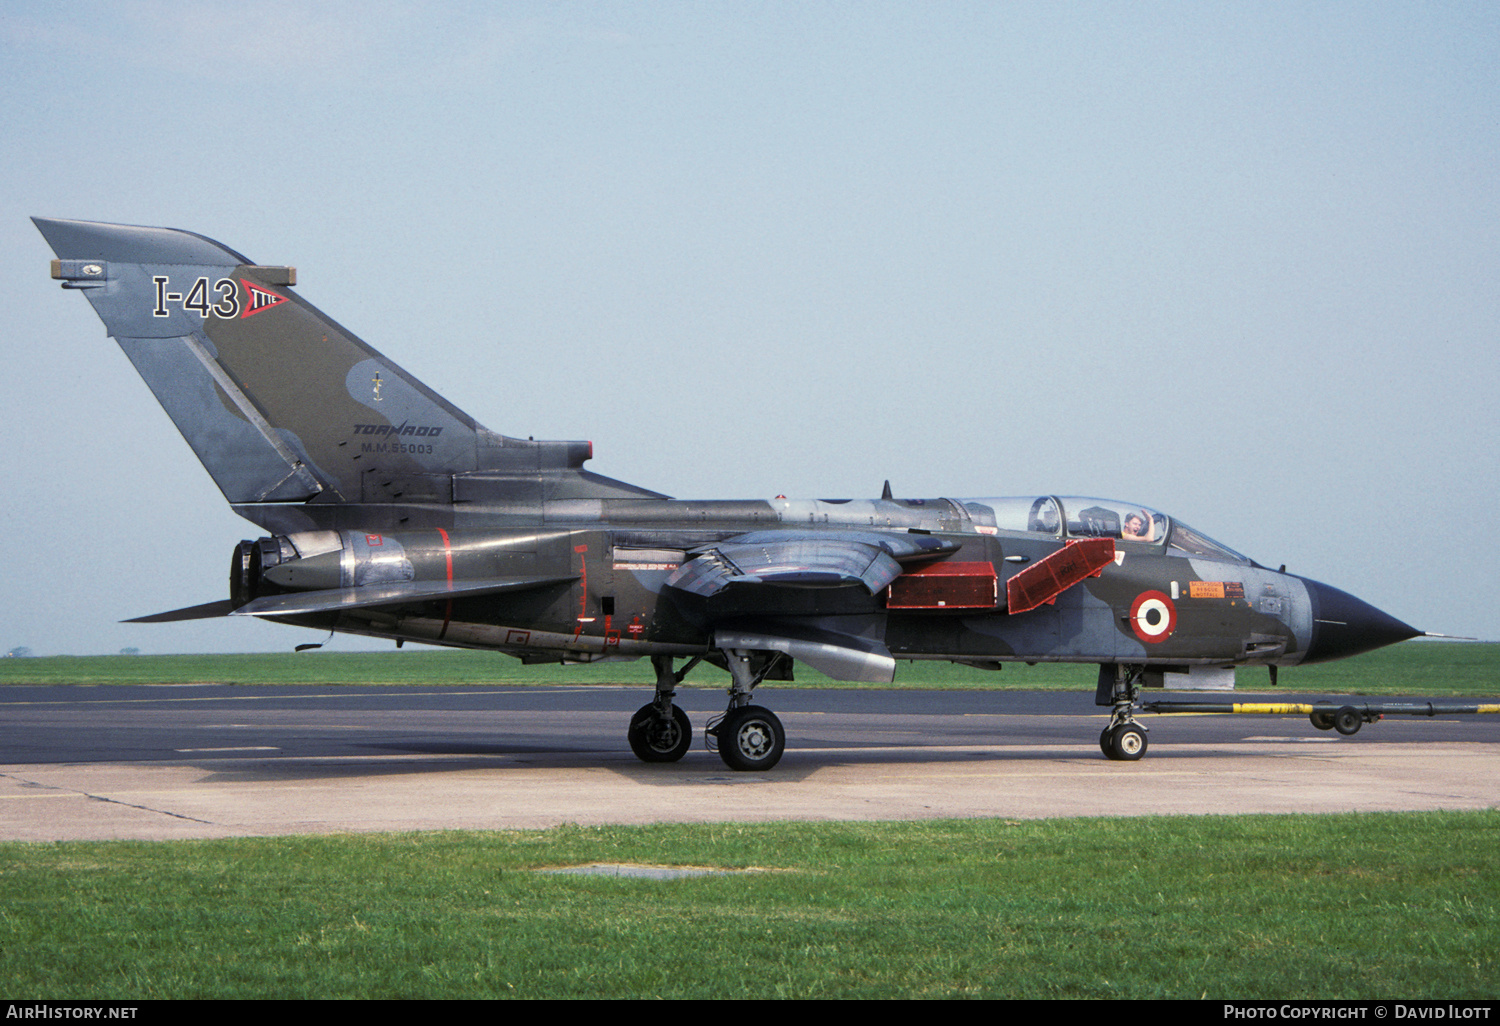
(1124,743)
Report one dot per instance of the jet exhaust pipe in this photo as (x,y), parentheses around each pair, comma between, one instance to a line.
(321,560)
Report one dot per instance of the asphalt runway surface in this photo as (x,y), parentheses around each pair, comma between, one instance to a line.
(155,762)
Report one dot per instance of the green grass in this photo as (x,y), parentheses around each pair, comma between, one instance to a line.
(1349,906)
(1415,668)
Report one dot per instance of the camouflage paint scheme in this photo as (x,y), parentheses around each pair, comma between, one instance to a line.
(392,513)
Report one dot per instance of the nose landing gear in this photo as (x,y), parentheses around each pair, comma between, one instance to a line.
(1124,743)
(1124,740)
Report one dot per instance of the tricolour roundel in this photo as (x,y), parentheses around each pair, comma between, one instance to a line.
(1153,617)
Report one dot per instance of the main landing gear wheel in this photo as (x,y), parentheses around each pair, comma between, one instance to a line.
(655,739)
(1126,743)
(750,738)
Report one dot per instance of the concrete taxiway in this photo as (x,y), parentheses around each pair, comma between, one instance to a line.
(211,761)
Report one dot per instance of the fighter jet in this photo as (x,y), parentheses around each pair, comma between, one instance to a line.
(391,513)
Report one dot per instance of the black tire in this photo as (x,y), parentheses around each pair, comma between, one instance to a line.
(1322,720)
(751,739)
(1104,743)
(1347,720)
(654,740)
(1128,743)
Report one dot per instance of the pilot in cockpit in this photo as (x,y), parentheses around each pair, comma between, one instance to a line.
(1137,528)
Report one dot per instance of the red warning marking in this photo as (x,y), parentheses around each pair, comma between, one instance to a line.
(374,540)
(448,606)
(261,298)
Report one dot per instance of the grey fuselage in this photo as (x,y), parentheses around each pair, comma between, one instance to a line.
(621,552)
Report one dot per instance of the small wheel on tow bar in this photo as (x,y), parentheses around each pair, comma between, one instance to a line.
(654,739)
(750,738)
(1347,720)
(1127,743)
(1322,719)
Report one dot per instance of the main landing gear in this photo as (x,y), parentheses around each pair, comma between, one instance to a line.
(748,737)
(660,731)
(1123,740)
(657,738)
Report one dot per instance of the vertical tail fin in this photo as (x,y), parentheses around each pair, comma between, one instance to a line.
(278,401)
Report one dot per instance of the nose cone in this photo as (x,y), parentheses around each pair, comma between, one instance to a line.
(1344,625)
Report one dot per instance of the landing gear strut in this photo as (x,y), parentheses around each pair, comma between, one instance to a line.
(1123,740)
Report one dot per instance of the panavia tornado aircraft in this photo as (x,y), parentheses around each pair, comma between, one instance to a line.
(392,513)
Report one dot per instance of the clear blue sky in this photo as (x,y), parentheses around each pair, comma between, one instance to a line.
(1239,262)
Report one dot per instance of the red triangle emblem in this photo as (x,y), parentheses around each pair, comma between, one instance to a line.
(261,298)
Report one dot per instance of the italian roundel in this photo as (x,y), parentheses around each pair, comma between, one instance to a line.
(1153,617)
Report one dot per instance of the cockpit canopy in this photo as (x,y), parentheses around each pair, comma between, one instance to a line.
(1077,517)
